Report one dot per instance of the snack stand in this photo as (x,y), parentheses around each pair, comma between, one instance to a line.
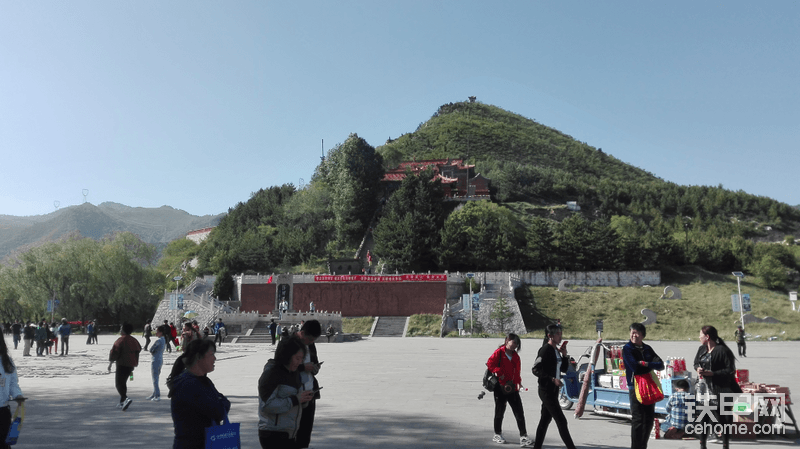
(608,392)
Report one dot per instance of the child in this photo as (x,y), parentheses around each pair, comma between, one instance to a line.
(158,359)
(675,424)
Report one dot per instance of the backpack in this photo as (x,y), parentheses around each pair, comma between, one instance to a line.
(490,380)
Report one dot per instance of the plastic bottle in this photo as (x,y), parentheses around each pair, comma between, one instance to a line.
(131,378)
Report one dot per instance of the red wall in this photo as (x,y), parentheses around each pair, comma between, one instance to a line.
(258,297)
(356,298)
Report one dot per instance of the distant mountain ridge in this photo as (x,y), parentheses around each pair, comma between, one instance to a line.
(157,226)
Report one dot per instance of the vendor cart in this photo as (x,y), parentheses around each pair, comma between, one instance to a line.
(608,390)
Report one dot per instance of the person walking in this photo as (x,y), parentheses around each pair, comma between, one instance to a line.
(157,350)
(195,402)
(125,352)
(16,331)
(330,332)
(741,344)
(147,333)
(9,390)
(505,364)
(551,362)
(273,330)
(281,396)
(716,367)
(219,331)
(167,336)
(28,335)
(64,330)
(95,331)
(640,358)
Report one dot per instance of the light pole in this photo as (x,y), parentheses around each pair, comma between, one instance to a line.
(471,325)
(739,276)
(177,280)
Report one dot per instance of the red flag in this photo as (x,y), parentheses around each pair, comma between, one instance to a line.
(269,281)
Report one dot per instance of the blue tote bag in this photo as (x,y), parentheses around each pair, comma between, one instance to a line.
(225,436)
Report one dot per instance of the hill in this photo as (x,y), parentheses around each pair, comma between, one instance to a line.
(157,226)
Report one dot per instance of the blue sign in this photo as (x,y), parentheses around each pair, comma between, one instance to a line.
(476,302)
(745,302)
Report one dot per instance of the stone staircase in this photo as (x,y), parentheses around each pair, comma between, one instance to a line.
(390,326)
(259,334)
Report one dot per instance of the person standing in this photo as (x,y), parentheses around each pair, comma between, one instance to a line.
(311,307)
(28,335)
(281,396)
(125,353)
(64,330)
(41,339)
(640,359)
(330,332)
(167,335)
(715,365)
(308,334)
(9,390)
(505,364)
(147,333)
(741,344)
(157,350)
(52,338)
(273,330)
(89,332)
(195,402)
(219,329)
(95,331)
(552,362)
(16,331)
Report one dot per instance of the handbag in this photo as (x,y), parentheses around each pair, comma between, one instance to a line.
(490,380)
(225,436)
(16,424)
(648,388)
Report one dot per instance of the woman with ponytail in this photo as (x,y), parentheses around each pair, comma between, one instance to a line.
(715,364)
(9,389)
(553,362)
(505,363)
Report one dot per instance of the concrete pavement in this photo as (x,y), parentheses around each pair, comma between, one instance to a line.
(380,392)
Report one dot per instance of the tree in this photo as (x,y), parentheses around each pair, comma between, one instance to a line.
(353,170)
(407,235)
(482,236)
(771,271)
(501,314)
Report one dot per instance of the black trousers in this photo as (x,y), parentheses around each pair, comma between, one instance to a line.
(512,399)
(551,411)
(642,421)
(146,342)
(5,425)
(121,381)
(276,440)
(303,436)
(742,349)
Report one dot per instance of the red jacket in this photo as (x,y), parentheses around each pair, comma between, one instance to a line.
(125,351)
(508,371)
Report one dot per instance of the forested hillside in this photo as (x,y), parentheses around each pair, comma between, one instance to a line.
(629,219)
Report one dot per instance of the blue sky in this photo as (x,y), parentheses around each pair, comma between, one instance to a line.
(198,104)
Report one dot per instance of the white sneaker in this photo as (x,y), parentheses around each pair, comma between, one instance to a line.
(156,399)
(525,441)
(150,398)
(126,404)
(119,404)
(499,439)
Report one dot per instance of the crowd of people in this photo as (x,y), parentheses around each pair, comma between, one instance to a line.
(714,364)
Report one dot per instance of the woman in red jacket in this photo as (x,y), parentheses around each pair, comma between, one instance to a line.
(505,363)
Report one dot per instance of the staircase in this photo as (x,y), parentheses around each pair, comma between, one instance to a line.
(260,334)
(390,326)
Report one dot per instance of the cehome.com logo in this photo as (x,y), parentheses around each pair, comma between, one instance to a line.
(761,413)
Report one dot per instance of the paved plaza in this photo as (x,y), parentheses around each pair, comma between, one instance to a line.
(378,393)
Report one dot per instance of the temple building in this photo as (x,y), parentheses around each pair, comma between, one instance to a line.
(459,181)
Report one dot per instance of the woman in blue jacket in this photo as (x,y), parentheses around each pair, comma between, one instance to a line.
(640,358)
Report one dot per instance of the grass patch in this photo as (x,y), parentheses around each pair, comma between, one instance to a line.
(425,325)
(357,325)
(706,301)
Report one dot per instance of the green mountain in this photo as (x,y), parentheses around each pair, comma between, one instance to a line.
(533,163)
(158,226)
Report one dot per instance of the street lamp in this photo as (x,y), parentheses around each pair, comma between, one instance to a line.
(739,276)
